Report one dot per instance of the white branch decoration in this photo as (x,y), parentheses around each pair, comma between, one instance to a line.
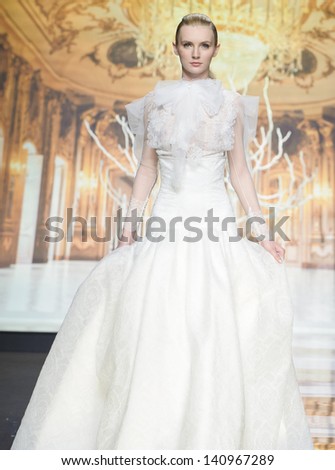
(105,152)
(263,159)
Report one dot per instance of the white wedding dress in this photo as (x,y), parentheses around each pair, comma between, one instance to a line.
(177,344)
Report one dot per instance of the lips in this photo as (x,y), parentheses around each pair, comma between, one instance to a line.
(195,63)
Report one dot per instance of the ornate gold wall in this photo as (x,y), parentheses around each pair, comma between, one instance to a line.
(51,122)
(63,62)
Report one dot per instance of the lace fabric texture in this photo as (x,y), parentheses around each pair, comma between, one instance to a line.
(205,127)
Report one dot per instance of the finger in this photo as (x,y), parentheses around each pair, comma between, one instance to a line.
(278,256)
(281,251)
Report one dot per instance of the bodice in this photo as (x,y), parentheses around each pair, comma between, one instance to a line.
(205,174)
(202,187)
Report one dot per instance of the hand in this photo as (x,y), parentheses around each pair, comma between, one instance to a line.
(275,249)
(128,239)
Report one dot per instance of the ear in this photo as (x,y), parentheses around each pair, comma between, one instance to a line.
(216,50)
(175,50)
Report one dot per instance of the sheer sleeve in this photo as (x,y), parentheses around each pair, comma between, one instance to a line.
(147,169)
(239,165)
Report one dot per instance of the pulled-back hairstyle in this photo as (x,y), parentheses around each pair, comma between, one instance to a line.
(193,19)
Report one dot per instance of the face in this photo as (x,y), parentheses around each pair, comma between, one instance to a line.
(195,49)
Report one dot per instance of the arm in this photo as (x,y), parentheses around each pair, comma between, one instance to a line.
(240,176)
(144,181)
(147,171)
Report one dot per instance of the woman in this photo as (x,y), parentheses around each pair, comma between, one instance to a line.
(174,342)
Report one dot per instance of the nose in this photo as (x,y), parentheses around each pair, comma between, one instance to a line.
(195,53)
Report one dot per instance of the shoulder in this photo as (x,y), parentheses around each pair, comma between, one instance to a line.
(246,104)
(140,105)
(232,95)
(232,102)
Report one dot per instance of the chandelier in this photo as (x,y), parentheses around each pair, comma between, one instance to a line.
(278,39)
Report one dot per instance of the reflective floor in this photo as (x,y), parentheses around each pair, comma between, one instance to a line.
(24,307)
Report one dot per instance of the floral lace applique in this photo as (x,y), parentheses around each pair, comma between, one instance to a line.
(215,133)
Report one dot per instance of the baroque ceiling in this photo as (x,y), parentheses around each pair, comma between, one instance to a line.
(119,49)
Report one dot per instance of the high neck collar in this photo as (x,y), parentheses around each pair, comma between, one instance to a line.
(208,93)
(199,82)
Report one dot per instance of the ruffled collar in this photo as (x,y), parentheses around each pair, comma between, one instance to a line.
(208,92)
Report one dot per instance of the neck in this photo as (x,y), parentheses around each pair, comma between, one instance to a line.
(186,76)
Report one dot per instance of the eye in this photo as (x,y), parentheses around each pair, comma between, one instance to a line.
(206,46)
(186,44)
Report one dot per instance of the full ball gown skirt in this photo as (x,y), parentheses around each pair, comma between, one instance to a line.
(174,344)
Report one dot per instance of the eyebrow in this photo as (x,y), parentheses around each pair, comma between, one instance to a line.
(202,42)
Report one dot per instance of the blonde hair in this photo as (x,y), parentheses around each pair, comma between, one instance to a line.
(198,19)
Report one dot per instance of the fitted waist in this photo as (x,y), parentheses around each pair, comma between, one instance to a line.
(170,203)
(168,154)
(201,173)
